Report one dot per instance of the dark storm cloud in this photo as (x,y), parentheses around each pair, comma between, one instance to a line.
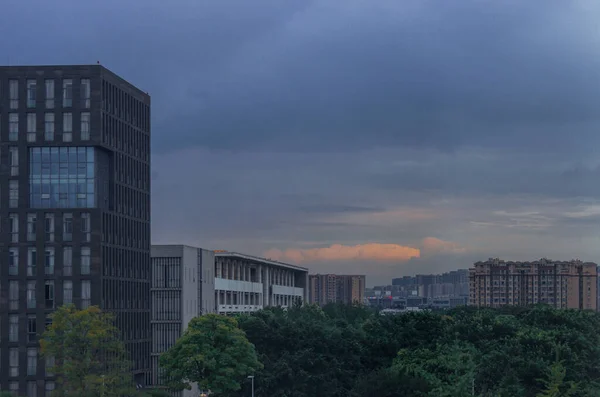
(269,117)
(413,73)
(335,76)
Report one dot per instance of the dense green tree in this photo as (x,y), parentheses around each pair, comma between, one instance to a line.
(213,352)
(555,384)
(89,356)
(353,351)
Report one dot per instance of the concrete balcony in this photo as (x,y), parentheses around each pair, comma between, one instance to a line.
(222,284)
(285,290)
(239,308)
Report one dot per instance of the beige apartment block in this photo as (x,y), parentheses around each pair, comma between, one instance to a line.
(571,284)
(328,288)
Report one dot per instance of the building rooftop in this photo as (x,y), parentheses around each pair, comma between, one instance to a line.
(100,69)
(230,254)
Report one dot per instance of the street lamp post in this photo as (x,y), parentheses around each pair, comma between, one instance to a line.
(251,377)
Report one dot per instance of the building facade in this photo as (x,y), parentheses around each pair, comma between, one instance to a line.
(329,288)
(245,283)
(183,287)
(450,284)
(74,211)
(570,284)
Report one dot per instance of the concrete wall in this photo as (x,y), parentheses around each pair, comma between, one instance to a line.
(195,294)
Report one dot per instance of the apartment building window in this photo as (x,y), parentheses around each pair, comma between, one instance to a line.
(86,93)
(67,127)
(31,299)
(31,328)
(49,388)
(13,88)
(49,294)
(31,385)
(67,261)
(13,362)
(31,227)
(13,295)
(86,294)
(13,226)
(13,127)
(67,292)
(85,126)
(31,261)
(13,328)
(49,94)
(31,93)
(13,261)
(86,227)
(85,260)
(67,227)
(14,160)
(50,362)
(31,127)
(49,261)
(13,193)
(49,227)
(67,93)
(31,361)
(49,126)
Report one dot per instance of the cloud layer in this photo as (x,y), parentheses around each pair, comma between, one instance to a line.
(353,131)
(369,252)
(338,252)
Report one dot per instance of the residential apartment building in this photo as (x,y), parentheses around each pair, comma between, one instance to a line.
(329,288)
(74,211)
(183,287)
(570,284)
(245,283)
(452,284)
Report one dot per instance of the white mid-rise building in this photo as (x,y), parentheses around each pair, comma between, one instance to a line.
(245,283)
(182,288)
(188,282)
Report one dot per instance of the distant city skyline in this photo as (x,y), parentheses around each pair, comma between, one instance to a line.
(353,137)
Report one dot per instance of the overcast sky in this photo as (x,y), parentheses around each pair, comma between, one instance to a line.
(379,137)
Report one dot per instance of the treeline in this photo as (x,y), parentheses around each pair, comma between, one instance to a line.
(344,351)
(341,351)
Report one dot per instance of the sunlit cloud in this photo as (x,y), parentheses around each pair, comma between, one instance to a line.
(366,252)
(339,252)
(432,245)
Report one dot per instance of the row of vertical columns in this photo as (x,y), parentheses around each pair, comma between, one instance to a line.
(234,269)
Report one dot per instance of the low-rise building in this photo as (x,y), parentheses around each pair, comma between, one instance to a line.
(245,283)
(188,282)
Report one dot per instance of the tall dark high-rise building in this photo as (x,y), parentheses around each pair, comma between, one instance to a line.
(74,211)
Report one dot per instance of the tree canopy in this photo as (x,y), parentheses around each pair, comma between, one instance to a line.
(89,356)
(213,352)
(352,351)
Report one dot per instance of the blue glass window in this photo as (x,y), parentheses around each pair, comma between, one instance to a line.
(62,177)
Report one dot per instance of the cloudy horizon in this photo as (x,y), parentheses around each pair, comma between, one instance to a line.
(383,138)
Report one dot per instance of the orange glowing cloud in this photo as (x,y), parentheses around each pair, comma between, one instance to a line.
(338,252)
(436,246)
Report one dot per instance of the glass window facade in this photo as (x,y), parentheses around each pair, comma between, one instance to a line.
(62,177)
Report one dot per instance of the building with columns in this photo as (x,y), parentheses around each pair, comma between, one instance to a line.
(245,283)
(183,287)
